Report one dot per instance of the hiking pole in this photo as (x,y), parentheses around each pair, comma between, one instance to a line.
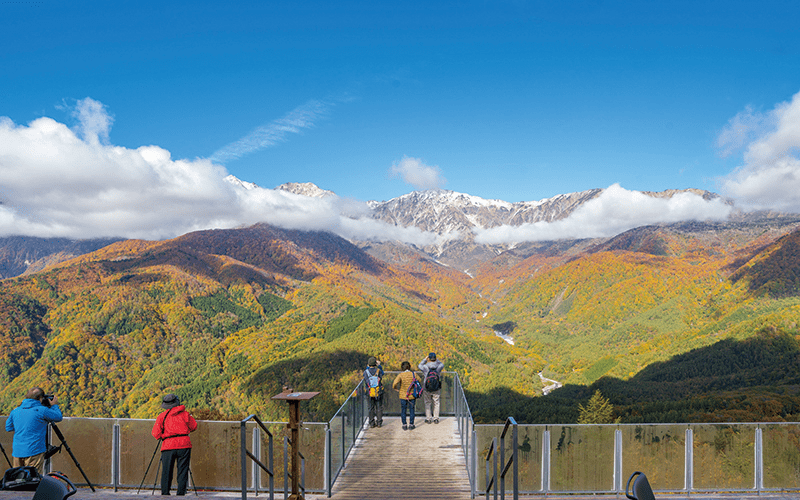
(4,454)
(64,443)
(158,444)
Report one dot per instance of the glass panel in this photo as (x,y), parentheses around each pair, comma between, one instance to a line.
(216,454)
(657,450)
(484,435)
(337,445)
(582,457)
(90,440)
(530,457)
(724,456)
(781,452)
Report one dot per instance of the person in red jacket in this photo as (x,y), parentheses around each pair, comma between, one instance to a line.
(172,428)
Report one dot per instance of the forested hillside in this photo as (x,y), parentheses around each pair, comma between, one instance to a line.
(226,318)
(673,323)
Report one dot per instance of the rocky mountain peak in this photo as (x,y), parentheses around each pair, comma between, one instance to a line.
(306,189)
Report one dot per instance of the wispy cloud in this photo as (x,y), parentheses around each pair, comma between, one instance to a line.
(413,171)
(770,175)
(57,181)
(614,211)
(277,131)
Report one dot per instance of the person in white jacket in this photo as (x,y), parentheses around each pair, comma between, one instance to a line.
(432,384)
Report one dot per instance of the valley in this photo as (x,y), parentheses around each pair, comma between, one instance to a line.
(225,318)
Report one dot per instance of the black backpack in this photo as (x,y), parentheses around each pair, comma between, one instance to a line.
(432,382)
(21,479)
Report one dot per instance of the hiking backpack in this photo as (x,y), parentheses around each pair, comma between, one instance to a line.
(415,389)
(374,386)
(432,381)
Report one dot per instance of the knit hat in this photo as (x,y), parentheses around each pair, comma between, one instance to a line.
(432,356)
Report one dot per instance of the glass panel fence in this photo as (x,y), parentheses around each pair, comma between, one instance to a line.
(582,458)
(553,458)
(657,450)
(781,452)
(724,456)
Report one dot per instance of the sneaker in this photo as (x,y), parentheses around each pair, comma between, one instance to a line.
(380,424)
(427,420)
(372,424)
(435,420)
(411,427)
(405,427)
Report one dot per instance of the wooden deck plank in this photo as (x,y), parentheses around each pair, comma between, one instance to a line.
(389,463)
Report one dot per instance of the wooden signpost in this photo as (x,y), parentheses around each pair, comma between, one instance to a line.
(294,399)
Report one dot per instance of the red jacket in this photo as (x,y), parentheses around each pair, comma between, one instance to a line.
(173,427)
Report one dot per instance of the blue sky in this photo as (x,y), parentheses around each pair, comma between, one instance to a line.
(511,100)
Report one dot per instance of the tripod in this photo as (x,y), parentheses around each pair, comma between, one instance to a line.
(4,454)
(57,449)
(160,464)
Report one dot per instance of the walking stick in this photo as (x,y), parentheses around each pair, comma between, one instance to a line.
(158,445)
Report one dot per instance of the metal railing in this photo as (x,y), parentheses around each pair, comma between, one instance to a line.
(560,459)
(269,469)
(491,456)
(677,458)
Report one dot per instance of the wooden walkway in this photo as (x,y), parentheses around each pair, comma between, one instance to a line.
(389,463)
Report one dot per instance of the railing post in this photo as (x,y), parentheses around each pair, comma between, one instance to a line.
(689,460)
(257,452)
(502,464)
(115,453)
(759,459)
(243,445)
(328,462)
(474,454)
(515,458)
(285,467)
(546,460)
(617,460)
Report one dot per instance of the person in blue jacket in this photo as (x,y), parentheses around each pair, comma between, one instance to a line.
(29,423)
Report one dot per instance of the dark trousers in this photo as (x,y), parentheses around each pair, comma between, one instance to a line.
(168,460)
(407,406)
(376,410)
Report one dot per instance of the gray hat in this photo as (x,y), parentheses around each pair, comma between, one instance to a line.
(170,401)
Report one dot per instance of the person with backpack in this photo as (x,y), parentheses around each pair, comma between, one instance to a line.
(172,428)
(373,387)
(431,375)
(408,388)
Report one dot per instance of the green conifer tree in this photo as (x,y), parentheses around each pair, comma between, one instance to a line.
(599,410)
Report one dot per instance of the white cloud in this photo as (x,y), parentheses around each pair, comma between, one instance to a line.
(58,182)
(413,171)
(770,175)
(275,132)
(614,211)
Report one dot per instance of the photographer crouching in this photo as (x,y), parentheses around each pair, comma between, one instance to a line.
(29,423)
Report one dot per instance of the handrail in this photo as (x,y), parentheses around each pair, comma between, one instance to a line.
(246,453)
(465,423)
(492,479)
(354,407)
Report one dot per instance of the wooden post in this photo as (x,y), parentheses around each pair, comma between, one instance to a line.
(294,399)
